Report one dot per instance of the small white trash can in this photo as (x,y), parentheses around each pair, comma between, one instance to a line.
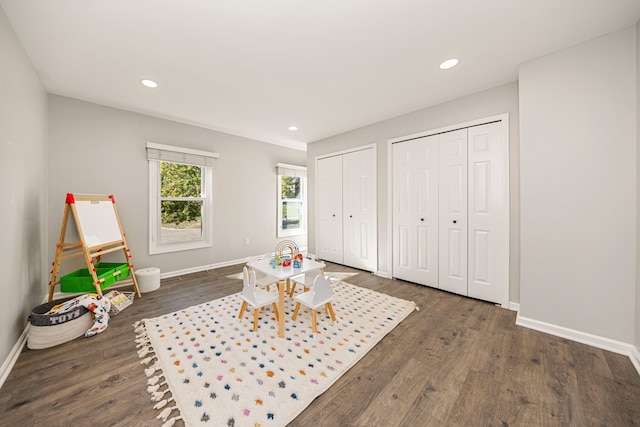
(148,279)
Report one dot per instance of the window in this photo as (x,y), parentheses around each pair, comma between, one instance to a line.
(292,189)
(180,198)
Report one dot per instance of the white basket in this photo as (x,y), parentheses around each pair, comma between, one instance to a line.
(119,301)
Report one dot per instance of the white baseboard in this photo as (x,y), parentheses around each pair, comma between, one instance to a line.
(582,337)
(202,268)
(12,358)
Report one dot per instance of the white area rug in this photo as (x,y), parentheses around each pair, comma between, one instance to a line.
(208,368)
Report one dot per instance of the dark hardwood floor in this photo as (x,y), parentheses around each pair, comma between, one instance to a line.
(455,362)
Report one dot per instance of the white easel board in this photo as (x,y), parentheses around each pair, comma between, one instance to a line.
(98,222)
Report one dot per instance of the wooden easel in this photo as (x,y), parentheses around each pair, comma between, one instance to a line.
(102,234)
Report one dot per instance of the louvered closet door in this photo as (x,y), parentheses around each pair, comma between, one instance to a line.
(485,212)
(330,209)
(359,210)
(415,210)
(453,211)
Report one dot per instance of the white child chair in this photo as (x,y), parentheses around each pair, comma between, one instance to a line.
(263,280)
(321,294)
(306,279)
(255,297)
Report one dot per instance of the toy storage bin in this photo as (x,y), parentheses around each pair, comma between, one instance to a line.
(148,279)
(81,280)
(120,270)
(49,330)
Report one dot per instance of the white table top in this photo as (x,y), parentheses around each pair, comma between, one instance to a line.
(280,272)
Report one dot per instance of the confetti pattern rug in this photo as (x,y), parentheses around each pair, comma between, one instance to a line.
(208,368)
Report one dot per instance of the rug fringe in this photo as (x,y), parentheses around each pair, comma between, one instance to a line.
(147,360)
(154,388)
(165,413)
(155,376)
(153,380)
(162,403)
(158,395)
(152,369)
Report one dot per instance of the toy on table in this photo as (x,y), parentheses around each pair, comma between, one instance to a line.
(285,259)
(297,261)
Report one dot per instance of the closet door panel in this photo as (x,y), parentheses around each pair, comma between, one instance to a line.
(485,212)
(453,211)
(415,210)
(403,206)
(330,242)
(359,210)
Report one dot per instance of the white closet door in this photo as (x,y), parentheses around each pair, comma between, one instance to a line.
(359,209)
(453,211)
(485,210)
(415,210)
(330,209)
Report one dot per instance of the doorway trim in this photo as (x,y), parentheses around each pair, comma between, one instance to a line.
(505,235)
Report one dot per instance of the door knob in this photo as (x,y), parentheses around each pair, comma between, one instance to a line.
(350,216)
(421,219)
(455,222)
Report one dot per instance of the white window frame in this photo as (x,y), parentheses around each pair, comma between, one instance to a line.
(172,154)
(284,169)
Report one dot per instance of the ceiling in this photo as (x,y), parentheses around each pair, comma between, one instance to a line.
(255,67)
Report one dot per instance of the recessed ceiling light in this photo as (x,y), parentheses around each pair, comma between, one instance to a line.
(293,128)
(449,63)
(149,83)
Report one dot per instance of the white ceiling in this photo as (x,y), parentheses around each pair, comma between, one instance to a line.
(254,67)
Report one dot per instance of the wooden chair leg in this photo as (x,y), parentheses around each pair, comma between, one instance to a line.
(295,312)
(275,309)
(255,320)
(314,328)
(242,308)
(330,310)
(293,288)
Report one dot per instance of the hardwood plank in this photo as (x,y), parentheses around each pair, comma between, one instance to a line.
(603,402)
(519,398)
(476,403)
(590,359)
(396,397)
(558,403)
(627,385)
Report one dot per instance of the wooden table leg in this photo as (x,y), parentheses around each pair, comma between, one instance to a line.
(281,308)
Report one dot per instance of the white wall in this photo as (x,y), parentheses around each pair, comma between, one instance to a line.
(23,177)
(499,100)
(101,150)
(578,196)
